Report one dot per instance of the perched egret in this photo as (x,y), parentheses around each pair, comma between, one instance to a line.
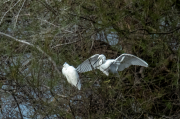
(113,65)
(71,74)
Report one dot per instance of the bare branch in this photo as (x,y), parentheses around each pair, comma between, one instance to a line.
(66,43)
(16,18)
(48,22)
(37,47)
(8,11)
(18,106)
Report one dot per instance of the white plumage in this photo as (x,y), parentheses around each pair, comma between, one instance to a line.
(71,75)
(113,65)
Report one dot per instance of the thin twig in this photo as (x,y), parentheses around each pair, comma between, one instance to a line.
(8,11)
(18,106)
(48,22)
(71,109)
(18,14)
(66,43)
(63,96)
(178,77)
(37,47)
(169,32)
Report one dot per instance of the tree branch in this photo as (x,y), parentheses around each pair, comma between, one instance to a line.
(71,110)
(8,11)
(37,47)
(65,44)
(18,14)
(18,106)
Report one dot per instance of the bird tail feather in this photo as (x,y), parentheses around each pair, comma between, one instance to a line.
(78,85)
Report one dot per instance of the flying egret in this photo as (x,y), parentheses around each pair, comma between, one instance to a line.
(71,74)
(113,65)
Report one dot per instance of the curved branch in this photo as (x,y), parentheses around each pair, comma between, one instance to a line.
(37,47)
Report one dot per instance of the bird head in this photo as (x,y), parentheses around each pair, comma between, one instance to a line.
(102,57)
(65,64)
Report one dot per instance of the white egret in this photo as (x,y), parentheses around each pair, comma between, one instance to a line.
(113,65)
(71,75)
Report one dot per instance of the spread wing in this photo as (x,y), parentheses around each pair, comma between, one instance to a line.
(89,64)
(126,60)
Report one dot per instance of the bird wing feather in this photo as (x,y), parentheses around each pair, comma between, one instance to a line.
(89,64)
(125,60)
